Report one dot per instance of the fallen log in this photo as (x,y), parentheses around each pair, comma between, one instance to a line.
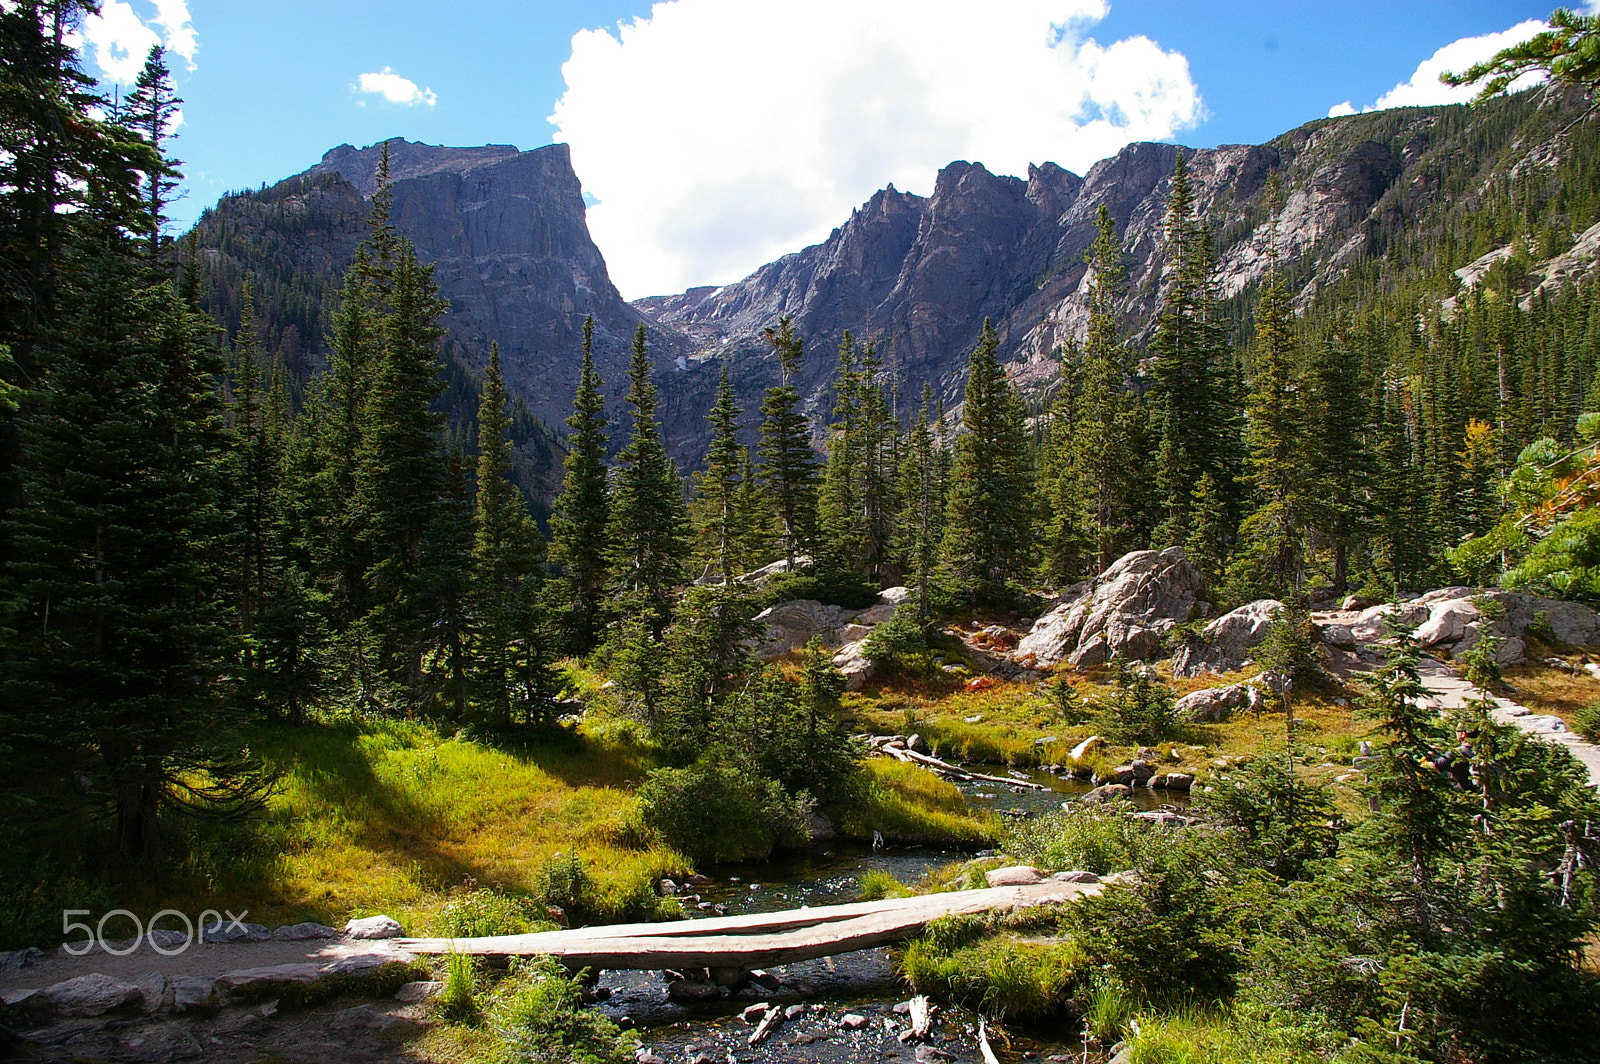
(768,1023)
(759,941)
(911,757)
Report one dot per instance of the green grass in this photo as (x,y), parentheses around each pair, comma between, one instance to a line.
(1003,973)
(877,884)
(911,805)
(1211,1036)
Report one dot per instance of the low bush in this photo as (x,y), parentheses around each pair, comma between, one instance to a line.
(715,811)
(475,912)
(539,1015)
(1586,722)
(1083,838)
(896,644)
(851,590)
(1139,707)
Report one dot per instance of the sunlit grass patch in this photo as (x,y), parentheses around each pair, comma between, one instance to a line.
(1003,975)
(1210,1036)
(1555,691)
(910,804)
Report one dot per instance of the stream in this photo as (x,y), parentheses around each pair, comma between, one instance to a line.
(863,983)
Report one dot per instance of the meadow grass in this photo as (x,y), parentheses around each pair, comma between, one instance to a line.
(401,817)
(911,805)
(1002,972)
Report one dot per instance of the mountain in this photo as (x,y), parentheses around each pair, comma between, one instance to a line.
(1366,200)
(504,230)
(920,275)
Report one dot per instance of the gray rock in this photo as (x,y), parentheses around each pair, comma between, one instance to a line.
(1109,792)
(18,959)
(367,1018)
(1075,877)
(1225,644)
(34,1005)
(1172,781)
(193,993)
(1447,622)
(852,1021)
(234,931)
(249,982)
(1013,876)
(153,988)
(304,932)
(857,668)
(1371,625)
(166,1042)
(357,963)
(790,625)
(1212,705)
(92,995)
(371,927)
(896,596)
(1123,612)
(1337,635)
(417,992)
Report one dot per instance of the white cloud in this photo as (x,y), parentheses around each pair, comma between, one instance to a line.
(118,40)
(1424,89)
(395,89)
(719,134)
(1339,110)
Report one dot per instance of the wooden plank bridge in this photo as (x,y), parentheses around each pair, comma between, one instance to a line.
(759,940)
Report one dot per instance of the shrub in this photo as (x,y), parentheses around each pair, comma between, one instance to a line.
(895,643)
(851,590)
(715,811)
(1587,722)
(540,1016)
(1083,839)
(1139,708)
(477,912)
(962,959)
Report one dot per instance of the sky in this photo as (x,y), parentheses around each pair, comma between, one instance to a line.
(712,136)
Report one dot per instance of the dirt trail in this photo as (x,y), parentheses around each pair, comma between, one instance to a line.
(1449,691)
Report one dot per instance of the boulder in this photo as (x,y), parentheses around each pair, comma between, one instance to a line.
(370,927)
(1013,876)
(1123,612)
(304,932)
(1082,750)
(896,596)
(1212,705)
(1109,792)
(357,963)
(874,615)
(1172,781)
(790,625)
(1447,622)
(193,992)
(853,663)
(1225,644)
(92,995)
(153,989)
(16,960)
(251,982)
(1370,626)
(1337,635)
(1075,877)
(235,931)
(32,1004)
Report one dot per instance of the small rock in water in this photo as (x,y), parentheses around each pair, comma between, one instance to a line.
(853,1021)
(752,1013)
(794,1012)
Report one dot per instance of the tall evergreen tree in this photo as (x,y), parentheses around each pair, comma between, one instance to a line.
(649,530)
(988,526)
(1103,447)
(151,110)
(923,498)
(506,561)
(582,515)
(721,518)
(120,642)
(788,465)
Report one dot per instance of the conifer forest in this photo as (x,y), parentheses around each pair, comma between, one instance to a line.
(304,610)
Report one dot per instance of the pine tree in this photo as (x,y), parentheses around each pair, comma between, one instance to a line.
(1272,559)
(1196,415)
(1104,453)
(120,642)
(922,491)
(582,515)
(788,465)
(150,110)
(721,521)
(254,470)
(649,533)
(839,504)
(1066,544)
(988,524)
(399,472)
(447,579)
(506,561)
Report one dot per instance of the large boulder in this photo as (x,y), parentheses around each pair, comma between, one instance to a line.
(1225,644)
(1213,705)
(790,625)
(92,995)
(852,661)
(1121,613)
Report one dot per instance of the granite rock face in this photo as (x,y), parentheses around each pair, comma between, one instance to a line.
(1122,613)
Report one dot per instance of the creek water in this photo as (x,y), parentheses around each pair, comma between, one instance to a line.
(862,983)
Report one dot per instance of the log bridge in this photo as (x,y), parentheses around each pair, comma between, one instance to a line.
(759,940)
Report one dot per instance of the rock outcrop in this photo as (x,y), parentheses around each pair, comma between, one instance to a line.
(1455,619)
(1122,613)
(791,625)
(1225,644)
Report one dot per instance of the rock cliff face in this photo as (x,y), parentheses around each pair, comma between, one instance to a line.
(511,250)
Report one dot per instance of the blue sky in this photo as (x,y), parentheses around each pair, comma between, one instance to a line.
(723,132)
